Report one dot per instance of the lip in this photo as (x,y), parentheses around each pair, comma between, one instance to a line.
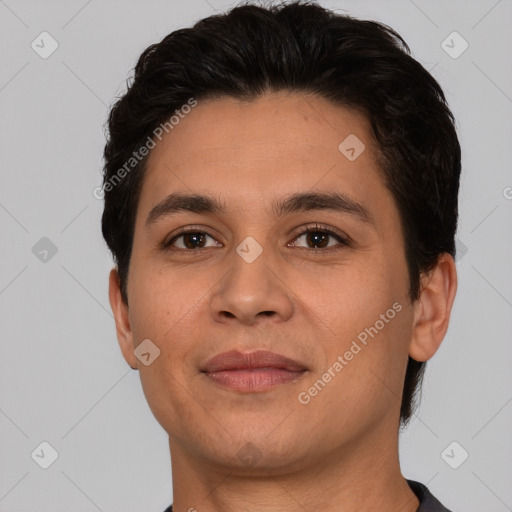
(235,360)
(252,371)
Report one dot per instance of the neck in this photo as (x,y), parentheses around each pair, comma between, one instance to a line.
(360,477)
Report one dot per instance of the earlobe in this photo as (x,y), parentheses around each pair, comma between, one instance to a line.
(122,319)
(432,309)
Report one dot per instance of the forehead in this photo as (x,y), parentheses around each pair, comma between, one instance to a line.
(249,152)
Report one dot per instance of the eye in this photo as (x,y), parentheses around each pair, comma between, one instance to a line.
(314,235)
(318,236)
(190,240)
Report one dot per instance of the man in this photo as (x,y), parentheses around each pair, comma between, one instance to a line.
(281,203)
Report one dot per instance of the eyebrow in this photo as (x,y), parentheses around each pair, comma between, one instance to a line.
(294,203)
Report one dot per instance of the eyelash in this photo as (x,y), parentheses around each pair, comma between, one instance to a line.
(344,240)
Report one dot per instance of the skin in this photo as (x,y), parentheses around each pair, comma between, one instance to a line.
(339,452)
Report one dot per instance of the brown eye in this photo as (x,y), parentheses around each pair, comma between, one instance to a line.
(317,238)
(320,238)
(190,240)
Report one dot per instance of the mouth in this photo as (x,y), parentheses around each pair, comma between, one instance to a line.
(252,372)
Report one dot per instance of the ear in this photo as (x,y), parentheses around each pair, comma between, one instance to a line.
(123,327)
(432,309)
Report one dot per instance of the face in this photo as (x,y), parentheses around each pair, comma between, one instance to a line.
(249,277)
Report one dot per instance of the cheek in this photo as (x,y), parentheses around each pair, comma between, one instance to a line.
(369,316)
(369,366)
(162,300)
(163,308)
(170,320)
(353,297)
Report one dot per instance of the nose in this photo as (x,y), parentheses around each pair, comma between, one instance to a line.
(252,292)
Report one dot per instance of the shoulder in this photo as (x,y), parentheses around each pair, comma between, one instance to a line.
(428,503)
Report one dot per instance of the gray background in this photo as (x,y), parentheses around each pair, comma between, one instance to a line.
(63,379)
